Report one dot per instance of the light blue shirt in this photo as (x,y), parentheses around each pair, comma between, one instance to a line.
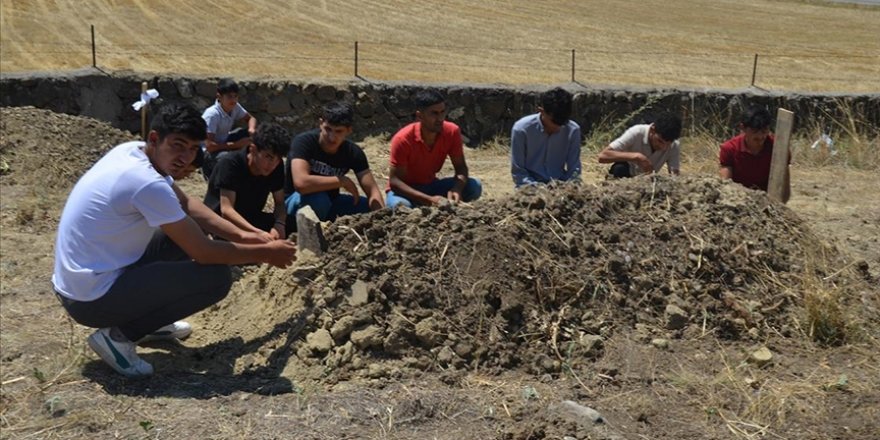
(219,122)
(536,157)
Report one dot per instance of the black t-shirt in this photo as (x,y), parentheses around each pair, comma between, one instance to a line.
(307,146)
(232,173)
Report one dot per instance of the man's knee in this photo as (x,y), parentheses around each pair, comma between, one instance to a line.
(472,190)
(620,170)
(392,200)
(319,202)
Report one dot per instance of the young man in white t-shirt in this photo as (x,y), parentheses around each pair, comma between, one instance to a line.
(131,257)
(645,148)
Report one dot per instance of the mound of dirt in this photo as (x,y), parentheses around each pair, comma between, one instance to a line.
(43,149)
(537,282)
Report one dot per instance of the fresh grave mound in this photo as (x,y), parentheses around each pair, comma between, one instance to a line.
(43,149)
(535,282)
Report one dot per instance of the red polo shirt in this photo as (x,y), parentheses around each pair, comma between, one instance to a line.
(749,170)
(422,162)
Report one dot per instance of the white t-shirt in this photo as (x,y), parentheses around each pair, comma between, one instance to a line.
(635,140)
(109,219)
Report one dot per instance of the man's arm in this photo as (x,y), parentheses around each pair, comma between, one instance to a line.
(212,223)
(610,155)
(573,159)
(461,177)
(725,172)
(227,210)
(376,199)
(518,159)
(307,183)
(251,123)
(280,213)
(213,146)
(396,174)
(186,234)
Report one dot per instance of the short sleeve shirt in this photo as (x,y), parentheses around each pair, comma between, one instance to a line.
(108,220)
(749,170)
(219,122)
(232,173)
(422,162)
(307,146)
(636,140)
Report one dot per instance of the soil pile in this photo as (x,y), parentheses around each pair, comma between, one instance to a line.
(44,149)
(537,282)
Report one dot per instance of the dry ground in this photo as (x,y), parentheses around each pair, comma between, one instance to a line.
(54,387)
(803,46)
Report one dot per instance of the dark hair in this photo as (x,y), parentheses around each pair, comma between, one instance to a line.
(272,137)
(668,126)
(227,85)
(756,117)
(338,113)
(178,118)
(428,97)
(557,104)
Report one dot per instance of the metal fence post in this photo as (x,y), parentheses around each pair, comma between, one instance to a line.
(94,59)
(572,65)
(754,69)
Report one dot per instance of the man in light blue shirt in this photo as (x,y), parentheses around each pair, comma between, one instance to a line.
(546,146)
(220,118)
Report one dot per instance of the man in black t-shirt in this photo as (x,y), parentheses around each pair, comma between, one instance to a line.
(318,162)
(242,180)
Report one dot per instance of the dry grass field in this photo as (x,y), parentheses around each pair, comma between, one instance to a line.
(802,46)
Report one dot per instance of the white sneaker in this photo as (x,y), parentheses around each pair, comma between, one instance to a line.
(119,355)
(177,330)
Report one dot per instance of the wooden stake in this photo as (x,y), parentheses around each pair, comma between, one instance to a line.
(779,162)
(144,113)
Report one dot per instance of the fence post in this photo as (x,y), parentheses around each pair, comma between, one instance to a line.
(754,69)
(572,65)
(356,75)
(94,60)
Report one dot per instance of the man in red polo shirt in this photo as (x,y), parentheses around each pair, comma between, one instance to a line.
(419,150)
(746,157)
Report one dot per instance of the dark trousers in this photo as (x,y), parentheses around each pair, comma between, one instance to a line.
(620,170)
(212,158)
(164,286)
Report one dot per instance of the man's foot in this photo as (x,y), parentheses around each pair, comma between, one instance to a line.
(177,330)
(120,355)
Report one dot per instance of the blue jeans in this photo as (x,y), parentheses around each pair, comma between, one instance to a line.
(439,187)
(326,206)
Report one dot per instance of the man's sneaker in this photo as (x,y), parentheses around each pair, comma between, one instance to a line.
(119,355)
(177,330)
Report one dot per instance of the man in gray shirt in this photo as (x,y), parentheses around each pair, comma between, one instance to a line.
(220,118)
(645,148)
(546,146)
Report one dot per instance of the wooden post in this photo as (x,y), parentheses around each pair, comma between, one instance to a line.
(144,113)
(779,161)
(572,65)
(94,57)
(356,74)
(754,69)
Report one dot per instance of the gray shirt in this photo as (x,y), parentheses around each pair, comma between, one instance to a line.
(536,157)
(219,122)
(635,140)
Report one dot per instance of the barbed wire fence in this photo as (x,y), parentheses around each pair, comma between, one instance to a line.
(740,69)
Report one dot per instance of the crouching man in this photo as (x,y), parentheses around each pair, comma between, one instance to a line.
(131,257)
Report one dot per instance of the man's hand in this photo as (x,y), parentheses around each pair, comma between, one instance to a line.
(643,163)
(249,237)
(453,196)
(277,231)
(279,253)
(348,184)
(376,203)
(437,200)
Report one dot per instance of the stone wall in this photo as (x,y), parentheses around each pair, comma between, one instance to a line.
(482,111)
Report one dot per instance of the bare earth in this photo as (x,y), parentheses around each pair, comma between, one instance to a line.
(452,341)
